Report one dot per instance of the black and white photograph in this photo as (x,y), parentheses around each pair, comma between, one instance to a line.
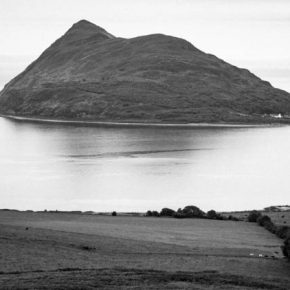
(145,144)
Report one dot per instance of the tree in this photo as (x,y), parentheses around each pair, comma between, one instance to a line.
(167,212)
(283,232)
(192,211)
(253,216)
(211,214)
(266,222)
(114,213)
(262,220)
(286,248)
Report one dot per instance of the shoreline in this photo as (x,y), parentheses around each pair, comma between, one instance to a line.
(136,124)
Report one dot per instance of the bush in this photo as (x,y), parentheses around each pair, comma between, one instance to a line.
(167,212)
(270,227)
(114,213)
(233,218)
(179,215)
(219,217)
(253,216)
(265,221)
(152,213)
(212,214)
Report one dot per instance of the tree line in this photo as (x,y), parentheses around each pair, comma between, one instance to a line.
(189,211)
(283,232)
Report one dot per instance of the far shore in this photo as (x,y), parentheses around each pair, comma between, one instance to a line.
(135,124)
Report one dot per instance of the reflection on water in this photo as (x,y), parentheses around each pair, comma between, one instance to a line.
(135,169)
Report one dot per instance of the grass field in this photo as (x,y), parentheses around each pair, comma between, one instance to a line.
(278,218)
(73,251)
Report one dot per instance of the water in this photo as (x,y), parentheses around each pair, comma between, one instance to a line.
(47,166)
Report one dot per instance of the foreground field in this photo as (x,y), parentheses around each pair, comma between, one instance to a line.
(52,251)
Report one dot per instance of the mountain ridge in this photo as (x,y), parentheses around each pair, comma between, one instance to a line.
(89,74)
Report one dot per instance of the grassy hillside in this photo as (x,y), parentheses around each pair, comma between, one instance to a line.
(71,251)
(281,218)
(89,74)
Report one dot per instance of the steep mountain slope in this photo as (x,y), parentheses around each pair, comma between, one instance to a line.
(89,74)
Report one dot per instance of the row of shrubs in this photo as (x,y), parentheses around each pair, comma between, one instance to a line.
(282,232)
(189,211)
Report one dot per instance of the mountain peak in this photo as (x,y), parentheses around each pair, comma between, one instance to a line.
(85,24)
(86,28)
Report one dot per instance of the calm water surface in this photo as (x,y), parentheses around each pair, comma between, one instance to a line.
(46,166)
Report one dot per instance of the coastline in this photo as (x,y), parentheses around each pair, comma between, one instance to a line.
(135,124)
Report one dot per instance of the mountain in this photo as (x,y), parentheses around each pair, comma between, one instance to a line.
(89,74)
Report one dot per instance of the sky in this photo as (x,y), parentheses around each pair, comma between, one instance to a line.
(252,34)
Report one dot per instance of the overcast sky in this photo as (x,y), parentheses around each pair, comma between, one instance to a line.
(247,33)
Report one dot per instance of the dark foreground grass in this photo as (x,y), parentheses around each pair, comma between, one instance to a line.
(120,278)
